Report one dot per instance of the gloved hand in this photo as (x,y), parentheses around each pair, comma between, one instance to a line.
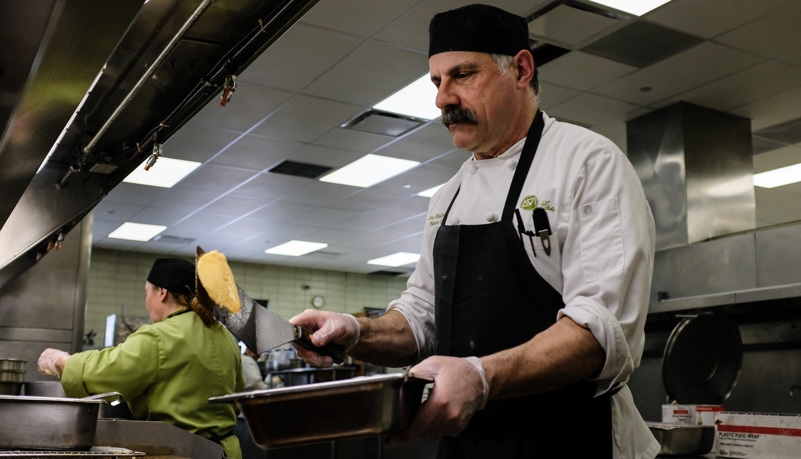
(52,361)
(459,390)
(327,327)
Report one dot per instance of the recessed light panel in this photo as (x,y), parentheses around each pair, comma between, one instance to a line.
(136,231)
(296,248)
(369,170)
(778,177)
(430,192)
(635,7)
(416,100)
(165,173)
(396,259)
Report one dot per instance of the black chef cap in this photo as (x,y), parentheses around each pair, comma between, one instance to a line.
(479,28)
(174,274)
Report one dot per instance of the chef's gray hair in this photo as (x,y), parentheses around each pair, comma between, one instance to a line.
(504,62)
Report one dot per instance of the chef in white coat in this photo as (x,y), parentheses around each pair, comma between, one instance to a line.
(528,303)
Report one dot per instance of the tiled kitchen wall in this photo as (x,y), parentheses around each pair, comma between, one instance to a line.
(116,285)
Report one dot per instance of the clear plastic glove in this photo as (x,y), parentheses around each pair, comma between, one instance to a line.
(52,361)
(459,391)
(326,327)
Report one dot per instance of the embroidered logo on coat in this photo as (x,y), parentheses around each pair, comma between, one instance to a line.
(530,202)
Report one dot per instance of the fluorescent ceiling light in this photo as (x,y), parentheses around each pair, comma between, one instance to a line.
(165,173)
(296,248)
(635,7)
(778,177)
(136,231)
(416,100)
(396,259)
(430,192)
(369,170)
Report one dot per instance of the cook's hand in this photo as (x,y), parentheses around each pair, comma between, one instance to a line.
(52,362)
(459,390)
(326,327)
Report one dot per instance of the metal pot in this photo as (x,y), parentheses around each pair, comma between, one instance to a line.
(49,423)
(44,389)
(12,364)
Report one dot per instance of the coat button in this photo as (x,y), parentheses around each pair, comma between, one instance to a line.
(511,165)
(472,169)
(491,217)
(587,209)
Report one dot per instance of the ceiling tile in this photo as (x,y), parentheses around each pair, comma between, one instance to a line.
(369,199)
(158,216)
(781,157)
(771,35)
(589,109)
(256,153)
(418,179)
(267,186)
(749,85)
(196,225)
(184,200)
(230,206)
(349,15)
(566,25)
(424,144)
(341,138)
(280,66)
(678,74)
(641,44)
(140,195)
(710,18)
(552,94)
(305,118)
(115,212)
(280,212)
(197,143)
(248,106)
(324,156)
(321,193)
(325,217)
(570,71)
(216,179)
(772,110)
(392,68)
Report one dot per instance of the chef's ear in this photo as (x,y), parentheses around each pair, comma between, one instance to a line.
(524,63)
(163,294)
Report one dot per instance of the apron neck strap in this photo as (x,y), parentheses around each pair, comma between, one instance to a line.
(523,166)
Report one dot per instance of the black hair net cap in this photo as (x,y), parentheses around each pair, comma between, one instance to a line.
(478,28)
(174,274)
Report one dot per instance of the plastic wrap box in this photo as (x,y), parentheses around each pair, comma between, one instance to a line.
(758,435)
(690,415)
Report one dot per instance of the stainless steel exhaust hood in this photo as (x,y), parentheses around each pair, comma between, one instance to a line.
(98,86)
(696,166)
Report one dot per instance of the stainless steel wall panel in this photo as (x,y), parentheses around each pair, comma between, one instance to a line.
(778,256)
(696,167)
(713,267)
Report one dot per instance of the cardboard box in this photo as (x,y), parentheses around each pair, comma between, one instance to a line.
(695,415)
(758,435)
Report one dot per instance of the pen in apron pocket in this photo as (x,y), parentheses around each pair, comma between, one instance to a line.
(542,228)
(521,228)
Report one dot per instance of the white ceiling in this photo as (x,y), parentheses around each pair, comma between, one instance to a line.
(346,55)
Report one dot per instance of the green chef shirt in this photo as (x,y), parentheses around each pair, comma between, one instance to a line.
(166,372)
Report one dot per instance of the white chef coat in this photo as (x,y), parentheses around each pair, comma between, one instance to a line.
(601,258)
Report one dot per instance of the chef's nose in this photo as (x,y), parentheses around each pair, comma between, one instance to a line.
(446,96)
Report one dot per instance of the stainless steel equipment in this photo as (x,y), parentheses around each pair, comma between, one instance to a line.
(336,410)
(681,440)
(97,87)
(48,423)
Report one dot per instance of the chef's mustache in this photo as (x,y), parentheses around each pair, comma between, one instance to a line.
(451,115)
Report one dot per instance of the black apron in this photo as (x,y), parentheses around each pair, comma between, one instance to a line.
(488,298)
